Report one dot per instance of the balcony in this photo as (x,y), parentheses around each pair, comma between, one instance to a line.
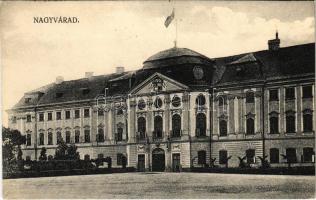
(176,133)
(200,133)
(157,136)
(141,137)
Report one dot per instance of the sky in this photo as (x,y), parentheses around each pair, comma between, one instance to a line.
(126,33)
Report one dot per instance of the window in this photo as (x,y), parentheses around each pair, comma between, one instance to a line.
(200,125)
(274,123)
(250,126)
(291,155)
(274,95)
(290,122)
(67,114)
(250,156)
(100,112)
(77,114)
(119,136)
(141,104)
(67,137)
(158,102)
(41,117)
(176,101)
(158,124)
(13,119)
(50,138)
(77,136)
(28,139)
(85,91)
(49,116)
(222,100)
(250,97)
(27,100)
(222,128)
(308,154)
(176,125)
(307,91)
(59,137)
(274,155)
(141,127)
(119,158)
(119,111)
(222,157)
(289,93)
(200,100)
(58,115)
(41,139)
(28,118)
(86,112)
(86,135)
(307,121)
(201,157)
(100,135)
(59,94)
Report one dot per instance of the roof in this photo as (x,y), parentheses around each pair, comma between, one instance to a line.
(177,64)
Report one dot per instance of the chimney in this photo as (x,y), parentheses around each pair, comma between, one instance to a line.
(88,74)
(119,70)
(274,44)
(59,79)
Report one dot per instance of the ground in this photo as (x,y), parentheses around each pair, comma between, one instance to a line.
(162,185)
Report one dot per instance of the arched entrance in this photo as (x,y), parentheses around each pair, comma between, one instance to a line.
(158,160)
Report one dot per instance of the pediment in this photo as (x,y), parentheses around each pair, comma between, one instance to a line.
(158,83)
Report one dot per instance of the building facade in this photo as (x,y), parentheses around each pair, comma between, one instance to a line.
(182,110)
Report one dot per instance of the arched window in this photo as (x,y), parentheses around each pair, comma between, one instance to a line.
(50,138)
(100,135)
(200,100)
(250,126)
(222,100)
(202,157)
(158,124)
(274,123)
(141,104)
(274,155)
(250,97)
(307,121)
(222,157)
(119,136)
(67,136)
(222,127)
(141,127)
(41,139)
(200,124)
(59,137)
(176,125)
(158,102)
(250,156)
(77,136)
(176,101)
(290,122)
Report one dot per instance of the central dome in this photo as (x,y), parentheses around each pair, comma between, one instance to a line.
(175,56)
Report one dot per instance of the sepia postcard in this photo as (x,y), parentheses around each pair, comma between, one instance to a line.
(158,99)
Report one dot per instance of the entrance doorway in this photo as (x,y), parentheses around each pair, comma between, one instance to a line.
(176,162)
(141,163)
(158,160)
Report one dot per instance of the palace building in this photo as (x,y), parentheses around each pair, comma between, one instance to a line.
(182,110)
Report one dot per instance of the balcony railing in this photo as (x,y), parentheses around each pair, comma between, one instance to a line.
(176,133)
(200,133)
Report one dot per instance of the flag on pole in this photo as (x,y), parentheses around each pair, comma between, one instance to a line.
(169,19)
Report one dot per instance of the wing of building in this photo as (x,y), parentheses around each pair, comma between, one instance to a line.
(182,110)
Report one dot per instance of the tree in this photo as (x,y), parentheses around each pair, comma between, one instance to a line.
(288,160)
(72,153)
(242,163)
(43,155)
(11,141)
(60,153)
(213,162)
(226,161)
(264,161)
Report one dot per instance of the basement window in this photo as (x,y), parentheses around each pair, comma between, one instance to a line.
(85,91)
(59,94)
(27,100)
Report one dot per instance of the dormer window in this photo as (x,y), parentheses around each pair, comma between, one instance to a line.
(59,94)
(85,91)
(27,100)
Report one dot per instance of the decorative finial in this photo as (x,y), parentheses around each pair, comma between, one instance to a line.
(175,43)
(277,34)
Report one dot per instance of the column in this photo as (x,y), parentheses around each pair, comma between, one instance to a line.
(281,108)
(230,112)
(258,111)
(298,110)
(236,117)
(131,121)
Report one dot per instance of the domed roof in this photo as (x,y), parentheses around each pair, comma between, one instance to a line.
(174,56)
